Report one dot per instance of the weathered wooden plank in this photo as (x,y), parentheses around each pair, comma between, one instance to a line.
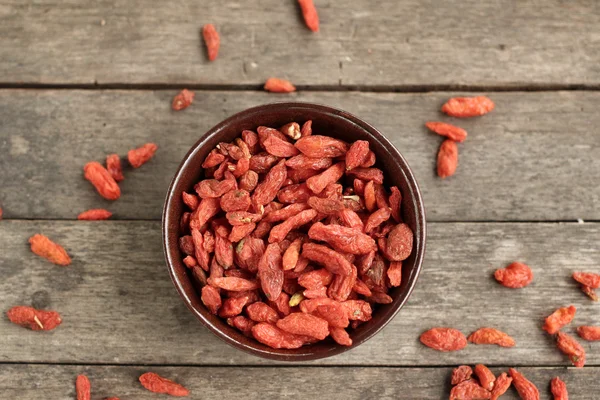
(57,382)
(395,44)
(119,306)
(533,158)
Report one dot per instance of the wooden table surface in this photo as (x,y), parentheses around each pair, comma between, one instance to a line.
(80,79)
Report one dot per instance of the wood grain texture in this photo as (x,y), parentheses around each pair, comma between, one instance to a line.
(119,306)
(27,382)
(533,158)
(396,44)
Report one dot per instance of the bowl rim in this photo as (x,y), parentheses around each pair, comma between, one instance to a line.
(170,256)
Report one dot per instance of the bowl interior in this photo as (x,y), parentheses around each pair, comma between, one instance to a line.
(326,121)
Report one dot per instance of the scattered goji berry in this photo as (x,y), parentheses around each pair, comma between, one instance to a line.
(183,100)
(526,389)
(559,389)
(102,180)
(83,388)
(212,41)
(309,12)
(96,214)
(450,131)
(447,159)
(469,390)
(491,336)
(589,292)
(587,279)
(558,319)
(46,248)
(569,346)
(141,155)
(464,107)
(591,333)
(485,376)
(516,275)
(113,166)
(277,85)
(461,374)
(157,384)
(36,320)
(444,339)
(502,384)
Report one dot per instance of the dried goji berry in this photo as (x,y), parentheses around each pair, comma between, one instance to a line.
(461,374)
(369,195)
(367,174)
(213,159)
(248,181)
(381,197)
(587,279)
(279,232)
(266,191)
(379,217)
(96,214)
(351,219)
(83,388)
(212,188)
(450,131)
(332,174)
(261,312)
(559,389)
(239,232)
(277,146)
(464,107)
(316,278)
(380,298)
(301,161)
(341,287)
(270,272)
(342,238)
(516,275)
(317,146)
(558,319)
(235,200)
(309,12)
(305,325)
(277,85)
(37,320)
(399,243)
(358,310)
(526,389)
(569,346)
(212,41)
(444,339)
(216,271)
(447,159)
(469,390)
(334,314)
(591,333)
(141,155)
(53,252)
(233,306)
(211,298)
(330,259)
(588,291)
(157,384)
(102,180)
(485,376)
(291,255)
(281,304)
(502,384)
(285,213)
(276,338)
(190,200)
(207,209)
(361,288)
(340,336)
(357,154)
(306,129)
(242,217)
(243,324)
(113,166)
(370,160)
(223,251)
(491,336)
(182,100)
(394,273)
(395,203)
(262,162)
(202,256)
(190,262)
(233,284)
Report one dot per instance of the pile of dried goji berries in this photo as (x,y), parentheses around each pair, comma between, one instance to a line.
(292,237)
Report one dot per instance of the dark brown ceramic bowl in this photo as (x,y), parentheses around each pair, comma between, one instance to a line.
(327,121)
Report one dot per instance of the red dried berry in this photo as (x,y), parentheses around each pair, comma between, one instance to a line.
(183,100)
(502,384)
(277,85)
(261,312)
(469,390)
(344,239)
(526,389)
(113,166)
(276,338)
(102,180)
(461,374)
(464,107)
(212,41)
(340,336)
(211,298)
(46,248)
(587,279)
(516,275)
(141,155)
(491,336)
(447,159)
(96,214)
(357,154)
(559,389)
(157,384)
(37,320)
(305,325)
(83,388)
(485,376)
(569,346)
(444,339)
(309,12)
(450,131)
(399,243)
(591,333)
(558,319)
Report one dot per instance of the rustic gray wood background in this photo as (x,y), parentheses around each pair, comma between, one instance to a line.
(80,79)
